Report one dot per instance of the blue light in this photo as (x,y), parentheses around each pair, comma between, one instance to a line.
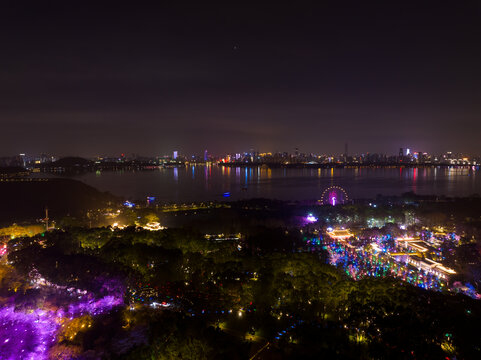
(129,204)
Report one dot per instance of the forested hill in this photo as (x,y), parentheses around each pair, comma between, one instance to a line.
(24,199)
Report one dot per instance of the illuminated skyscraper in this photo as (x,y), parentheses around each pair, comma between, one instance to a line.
(175,155)
(23,160)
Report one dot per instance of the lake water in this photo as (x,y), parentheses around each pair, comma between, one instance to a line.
(204,183)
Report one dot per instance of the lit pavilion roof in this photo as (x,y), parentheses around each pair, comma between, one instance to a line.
(340,234)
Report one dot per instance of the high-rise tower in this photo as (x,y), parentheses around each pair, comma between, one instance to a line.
(46,219)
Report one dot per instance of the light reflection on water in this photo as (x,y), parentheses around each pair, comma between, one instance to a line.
(203,183)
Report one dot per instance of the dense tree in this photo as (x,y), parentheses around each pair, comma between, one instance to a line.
(266,285)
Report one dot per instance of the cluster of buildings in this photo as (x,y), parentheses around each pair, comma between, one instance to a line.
(409,257)
(421,254)
(26,160)
(405,156)
(448,158)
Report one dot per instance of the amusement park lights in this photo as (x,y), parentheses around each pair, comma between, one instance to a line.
(334,195)
(311,218)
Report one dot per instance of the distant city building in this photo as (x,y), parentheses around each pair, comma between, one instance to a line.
(175,155)
(23,160)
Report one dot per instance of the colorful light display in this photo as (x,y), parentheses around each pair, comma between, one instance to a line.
(29,334)
(340,234)
(3,249)
(334,195)
(129,204)
(26,335)
(360,263)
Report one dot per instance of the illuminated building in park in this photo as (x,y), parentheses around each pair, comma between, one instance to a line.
(414,245)
(153,226)
(415,255)
(340,234)
(431,266)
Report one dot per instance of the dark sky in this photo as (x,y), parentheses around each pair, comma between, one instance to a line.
(89,78)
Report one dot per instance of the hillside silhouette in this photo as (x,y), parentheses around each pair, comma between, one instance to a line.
(24,200)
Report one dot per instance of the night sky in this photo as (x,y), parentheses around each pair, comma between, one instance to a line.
(84,78)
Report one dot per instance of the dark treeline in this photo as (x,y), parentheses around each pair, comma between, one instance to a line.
(26,200)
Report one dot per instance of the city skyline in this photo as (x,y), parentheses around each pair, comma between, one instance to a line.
(239,77)
(240,180)
(206,153)
(405,157)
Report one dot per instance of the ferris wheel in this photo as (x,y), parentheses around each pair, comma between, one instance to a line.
(334,195)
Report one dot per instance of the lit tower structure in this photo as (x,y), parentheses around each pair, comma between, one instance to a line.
(46,219)
(24,161)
